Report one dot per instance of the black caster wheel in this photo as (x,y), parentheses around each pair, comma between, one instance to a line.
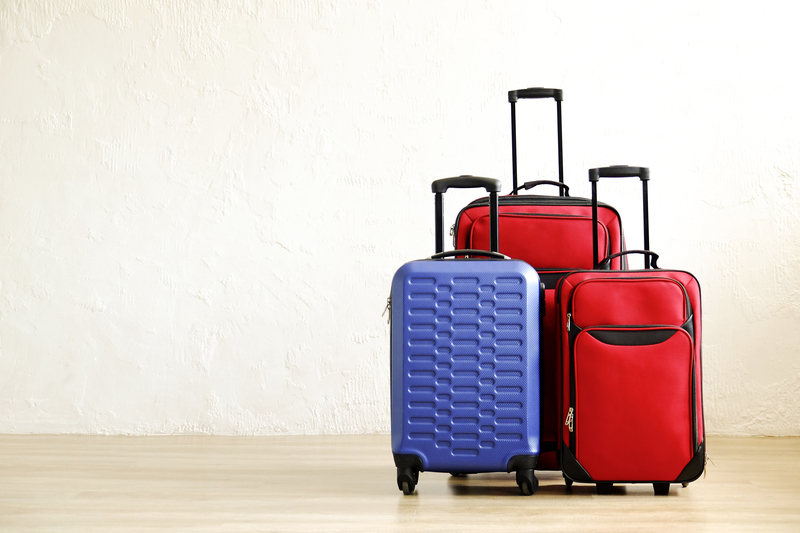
(604,488)
(407,478)
(527,481)
(568,482)
(457,474)
(661,489)
(684,485)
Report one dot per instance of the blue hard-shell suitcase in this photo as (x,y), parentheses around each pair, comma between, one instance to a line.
(465,359)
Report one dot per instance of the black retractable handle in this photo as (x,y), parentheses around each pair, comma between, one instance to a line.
(623,171)
(492,186)
(533,93)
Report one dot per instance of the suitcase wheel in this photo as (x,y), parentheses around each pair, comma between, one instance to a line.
(527,481)
(685,485)
(407,479)
(661,489)
(457,474)
(604,488)
(568,482)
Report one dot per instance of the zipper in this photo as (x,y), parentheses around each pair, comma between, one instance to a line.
(570,421)
(537,200)
(687,306)
(388,309)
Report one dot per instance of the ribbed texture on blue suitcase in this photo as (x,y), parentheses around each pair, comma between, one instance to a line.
(467,369)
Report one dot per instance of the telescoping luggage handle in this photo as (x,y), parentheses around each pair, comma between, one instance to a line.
(492,186)
(622,171)
(531,93)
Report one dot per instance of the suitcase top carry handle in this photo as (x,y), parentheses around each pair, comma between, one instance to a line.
(535,92)
(653,258)
(492,186)
(531,184)
(456,253)
(621,171)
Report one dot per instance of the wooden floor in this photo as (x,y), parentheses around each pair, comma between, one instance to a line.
(347,483)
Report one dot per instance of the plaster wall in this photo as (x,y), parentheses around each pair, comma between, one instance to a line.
(202,203)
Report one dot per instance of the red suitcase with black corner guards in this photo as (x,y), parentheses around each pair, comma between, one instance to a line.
(630,344)
(554,235)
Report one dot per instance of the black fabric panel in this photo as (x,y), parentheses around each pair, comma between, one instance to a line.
(550,280)
(689,326)
(632,337)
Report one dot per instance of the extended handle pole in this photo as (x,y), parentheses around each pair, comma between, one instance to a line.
(621,171)
(492,186)
(532,93)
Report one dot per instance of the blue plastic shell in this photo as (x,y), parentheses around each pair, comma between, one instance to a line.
(465,363)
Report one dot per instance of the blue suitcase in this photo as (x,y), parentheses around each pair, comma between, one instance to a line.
(465,359)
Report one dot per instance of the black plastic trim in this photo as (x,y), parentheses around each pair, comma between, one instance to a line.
(402,460)
(572,468)
(522,462)
(695,467)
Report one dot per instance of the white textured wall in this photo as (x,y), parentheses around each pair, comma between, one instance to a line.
(202,203)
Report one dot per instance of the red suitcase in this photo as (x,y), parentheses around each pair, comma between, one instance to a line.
(554,235)
(631,369)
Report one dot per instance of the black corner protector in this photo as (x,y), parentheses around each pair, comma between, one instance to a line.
(572,468)
(695,467)
(408,461)
(522,462)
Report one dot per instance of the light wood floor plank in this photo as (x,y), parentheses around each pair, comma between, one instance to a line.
(347,483)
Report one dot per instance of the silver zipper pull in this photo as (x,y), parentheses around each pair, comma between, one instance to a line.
(705,465)
(388,309)
(452,230)
(569,321)
(570,419)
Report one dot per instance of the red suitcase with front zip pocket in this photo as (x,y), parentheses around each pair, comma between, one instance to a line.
(631,385)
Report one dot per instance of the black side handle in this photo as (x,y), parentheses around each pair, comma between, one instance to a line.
(470,252)
(531,184)
(492,186)
(536,92)
(607,260)
(621,171)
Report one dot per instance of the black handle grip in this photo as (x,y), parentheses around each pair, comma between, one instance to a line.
(455,253)
(466,182)
(653,257)
(531,184)
(619,171)
(536,92)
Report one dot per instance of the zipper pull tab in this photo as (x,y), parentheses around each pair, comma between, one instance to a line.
(705,465)
(569,322)
(570,420)
(388,309)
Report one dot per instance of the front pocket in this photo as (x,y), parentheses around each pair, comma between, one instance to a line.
(633,403)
